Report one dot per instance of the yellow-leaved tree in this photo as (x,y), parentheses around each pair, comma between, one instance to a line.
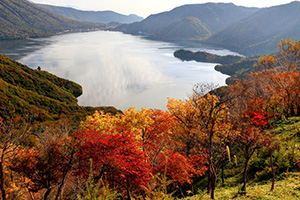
(131,120)
(204,129)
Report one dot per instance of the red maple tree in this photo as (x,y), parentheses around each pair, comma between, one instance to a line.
(118,159)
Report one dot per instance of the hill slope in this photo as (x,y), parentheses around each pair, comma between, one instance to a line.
(188,28)
(39,94)
(213,16)
(261,32)
(20,19)
(92,16)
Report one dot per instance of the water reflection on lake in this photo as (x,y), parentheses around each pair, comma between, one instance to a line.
(117,69)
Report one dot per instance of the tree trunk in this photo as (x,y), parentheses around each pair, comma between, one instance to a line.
(65,173)
(282,103)
(181,192)
(192,189)
(60,188)
(292,107)
(272,168)
(188,148)
(128,194)
(223,181)
(245,177)
(47,193)
(213,185)
(3,194)
(209,182)
(298,110)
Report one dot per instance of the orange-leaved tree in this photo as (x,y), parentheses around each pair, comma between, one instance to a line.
(12,132)
(47,164)
(249,135)
(279,73)
(204,130)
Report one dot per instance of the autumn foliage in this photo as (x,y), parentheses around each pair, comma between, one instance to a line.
(150,153)
(129,148)
(117,158)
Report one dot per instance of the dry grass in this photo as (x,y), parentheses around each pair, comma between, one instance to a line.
(286,189)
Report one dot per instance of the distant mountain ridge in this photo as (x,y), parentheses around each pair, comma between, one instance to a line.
(213,17)
(249,31)
(20,19)
(92,16)
(261,32)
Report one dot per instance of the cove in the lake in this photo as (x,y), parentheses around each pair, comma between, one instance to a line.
(118,70)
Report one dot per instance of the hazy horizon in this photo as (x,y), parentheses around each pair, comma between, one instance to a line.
(147,7)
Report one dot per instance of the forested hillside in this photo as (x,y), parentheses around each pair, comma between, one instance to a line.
(20,19)
(201,56)
(188,28)
(212,18)
(249,31)
(259,33)
(92,16)
(37,93)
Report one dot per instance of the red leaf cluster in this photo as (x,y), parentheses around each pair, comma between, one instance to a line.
(117,158)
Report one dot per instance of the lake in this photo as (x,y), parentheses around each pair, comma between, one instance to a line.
(116,69)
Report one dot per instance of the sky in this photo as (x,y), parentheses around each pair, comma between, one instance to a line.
(146,7)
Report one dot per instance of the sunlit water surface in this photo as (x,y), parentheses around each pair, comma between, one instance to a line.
(118,70)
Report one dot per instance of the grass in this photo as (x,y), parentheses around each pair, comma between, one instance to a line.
(287,188)
(287,185)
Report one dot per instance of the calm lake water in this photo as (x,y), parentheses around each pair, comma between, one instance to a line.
(115,69)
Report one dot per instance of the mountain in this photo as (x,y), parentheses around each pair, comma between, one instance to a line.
(261,32)
(188,28)
(20,19)
(39,94)
(92,16)
(212,17)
